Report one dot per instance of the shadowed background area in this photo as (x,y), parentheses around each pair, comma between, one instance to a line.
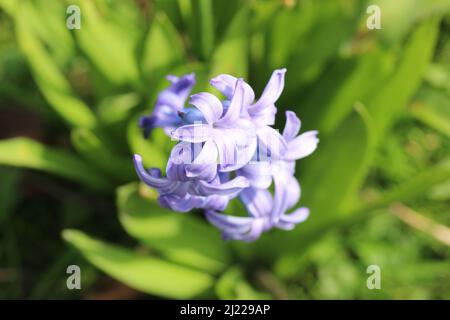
(378,186)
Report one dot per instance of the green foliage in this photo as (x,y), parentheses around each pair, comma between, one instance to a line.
(163,48)
(90,145)
(230,55)
(48,75)
(22,152)
(142,272)
(179,237)
(201,25)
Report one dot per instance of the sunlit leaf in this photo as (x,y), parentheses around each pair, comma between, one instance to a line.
(387,103)
(397,17)
(163,48)
(152,153)
(108,46)
(117,108)
(181,238)
(145,273)
(432,107)
(90,145)
(232,285)
(49,77)
(344,84)
(230,56)
(202,28)
(26,153)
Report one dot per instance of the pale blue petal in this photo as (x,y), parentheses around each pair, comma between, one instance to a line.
(227,85)
(194,133)
(209,105)
(230,188)
(292,127)
(271,92)
(302,146)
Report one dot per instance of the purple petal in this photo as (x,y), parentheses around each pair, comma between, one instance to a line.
(226,146)
(193,133)
(258,202)
(236,147)
(230,188)
(258,173)
(215,202)
(235,108)
(302,146)
(180,204)
(257,228)
(236,228)
(280,202)
(229,223)
(272,141)
(175,96)
(147,178)
(299,215)
(285,225)
(266,116)
(227,85)
(293,192)
(209,105)
(271,92)
(204,166)
(292,127)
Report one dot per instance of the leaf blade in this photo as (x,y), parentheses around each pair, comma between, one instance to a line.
(147,274)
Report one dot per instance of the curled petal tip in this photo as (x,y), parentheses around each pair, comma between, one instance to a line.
(137,157)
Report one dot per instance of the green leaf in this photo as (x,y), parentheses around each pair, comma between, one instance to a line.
(344,84)
(417,185)
(441,192)
(117,108)
(336,172)
(49,78)
(172,10)
(276,20)
(315,47)
(144,273)
(398,16)
(202,28)
(231,55)
(9,6)
(163,48)
(232,285)
(181,238)
(90,145)
(412,64)
(8,191)
(153,155)
(45,17)
(108,45)
(438,76)
(432,108)
(23,152)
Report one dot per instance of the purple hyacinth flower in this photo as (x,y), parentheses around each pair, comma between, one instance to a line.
(262,112)
(190,184)
(169,105)
(265,211)
(233,135)
(259,204)
(229,149)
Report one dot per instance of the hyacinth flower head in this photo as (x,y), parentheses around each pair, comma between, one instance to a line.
(228,149)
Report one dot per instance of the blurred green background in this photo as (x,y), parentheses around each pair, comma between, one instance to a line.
(378,186)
